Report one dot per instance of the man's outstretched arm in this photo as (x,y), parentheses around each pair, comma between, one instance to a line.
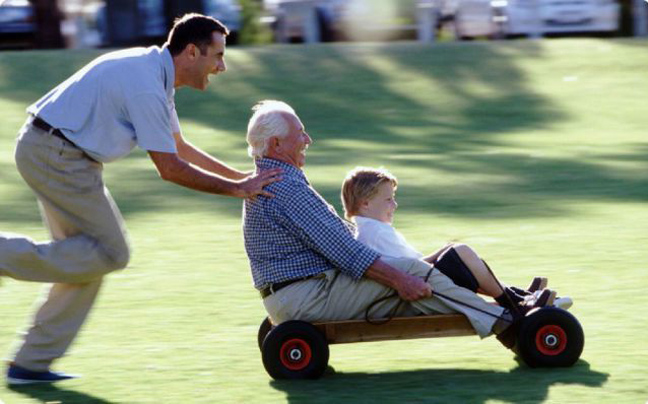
(174,169)
(193,155)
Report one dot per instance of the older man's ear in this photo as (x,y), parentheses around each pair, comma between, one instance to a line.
(274,144)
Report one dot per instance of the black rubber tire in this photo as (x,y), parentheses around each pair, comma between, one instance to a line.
(265,327)
(295,350)
(550,337)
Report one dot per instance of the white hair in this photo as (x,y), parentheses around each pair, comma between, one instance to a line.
(268,120)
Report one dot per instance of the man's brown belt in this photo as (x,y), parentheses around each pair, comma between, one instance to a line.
(275,287)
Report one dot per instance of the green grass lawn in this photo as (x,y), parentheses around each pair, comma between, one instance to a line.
(533,152)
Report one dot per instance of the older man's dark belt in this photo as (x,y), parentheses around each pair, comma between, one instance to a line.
(275,287)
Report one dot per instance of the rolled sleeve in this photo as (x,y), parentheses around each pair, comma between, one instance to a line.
(319,226)
(175,121)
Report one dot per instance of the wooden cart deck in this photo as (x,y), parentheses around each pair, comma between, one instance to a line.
(440,325)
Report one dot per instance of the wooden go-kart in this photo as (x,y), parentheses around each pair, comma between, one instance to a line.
(547,337)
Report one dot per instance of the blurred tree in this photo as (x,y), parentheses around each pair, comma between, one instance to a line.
(252,31)
(48,24)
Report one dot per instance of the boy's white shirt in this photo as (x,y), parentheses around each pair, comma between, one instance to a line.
(383,238)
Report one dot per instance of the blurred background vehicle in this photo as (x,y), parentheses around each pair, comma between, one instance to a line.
(17,24)
(330,20)
(473,18)
(304,20)
(145,22)
(117,23)
(534,18)
(528,17)
(327,20)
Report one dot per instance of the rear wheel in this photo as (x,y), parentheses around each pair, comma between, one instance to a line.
(550,337)
(295,350)
(264,329)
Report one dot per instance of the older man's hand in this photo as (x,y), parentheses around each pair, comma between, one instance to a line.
(409,287)
(412,288)
(252,186)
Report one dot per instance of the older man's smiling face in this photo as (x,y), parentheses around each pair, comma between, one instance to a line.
(293,146)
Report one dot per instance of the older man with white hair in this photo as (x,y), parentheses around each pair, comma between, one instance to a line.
(305,261)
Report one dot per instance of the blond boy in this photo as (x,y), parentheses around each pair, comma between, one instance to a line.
(369,200)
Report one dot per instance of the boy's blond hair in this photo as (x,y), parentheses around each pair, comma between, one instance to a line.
(362,184)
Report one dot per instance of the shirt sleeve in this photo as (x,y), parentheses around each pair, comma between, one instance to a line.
(175,121)
(150,116)
(318,225)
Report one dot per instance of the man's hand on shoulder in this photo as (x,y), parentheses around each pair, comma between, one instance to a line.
(252,186)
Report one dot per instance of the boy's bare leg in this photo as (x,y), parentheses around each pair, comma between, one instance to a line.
(487,283)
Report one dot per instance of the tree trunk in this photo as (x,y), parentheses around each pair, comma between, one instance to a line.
(48,24)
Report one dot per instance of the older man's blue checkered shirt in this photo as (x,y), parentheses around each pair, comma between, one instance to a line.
(297,233)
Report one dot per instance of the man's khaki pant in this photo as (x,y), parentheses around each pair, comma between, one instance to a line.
(89,240)
(338,297)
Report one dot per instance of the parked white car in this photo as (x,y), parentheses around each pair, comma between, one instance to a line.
(522,17)
(497,18)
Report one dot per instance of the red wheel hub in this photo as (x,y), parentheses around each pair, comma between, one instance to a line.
(295,354)
(551,340)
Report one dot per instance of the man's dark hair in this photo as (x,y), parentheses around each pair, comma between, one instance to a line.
(196,29)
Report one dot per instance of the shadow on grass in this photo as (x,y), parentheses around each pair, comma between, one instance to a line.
(521,384)
(49,393)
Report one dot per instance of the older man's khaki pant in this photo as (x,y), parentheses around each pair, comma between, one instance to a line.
(339,297)
(89,240)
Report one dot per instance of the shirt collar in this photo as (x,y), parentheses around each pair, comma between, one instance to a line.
(359,220)
(289,170)
(168,70)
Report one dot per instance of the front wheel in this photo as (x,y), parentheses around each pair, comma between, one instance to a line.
(550,337)
(295,350)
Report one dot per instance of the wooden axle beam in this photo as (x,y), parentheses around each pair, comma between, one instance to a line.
(440,325)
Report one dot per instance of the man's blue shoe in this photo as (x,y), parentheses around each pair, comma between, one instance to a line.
(20,376)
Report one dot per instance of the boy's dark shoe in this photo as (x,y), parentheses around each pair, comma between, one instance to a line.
(543,298)
(538,283)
